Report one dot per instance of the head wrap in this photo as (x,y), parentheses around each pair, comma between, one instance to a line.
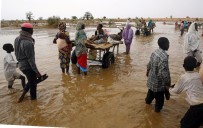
(126,31)
(192,28)
(62,26)
(79,25)
(26,25)
(191,40)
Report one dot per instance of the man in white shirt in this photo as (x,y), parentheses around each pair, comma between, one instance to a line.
(191,83)
(10,67)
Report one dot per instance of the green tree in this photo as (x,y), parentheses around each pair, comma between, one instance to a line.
(40,18)
(74,18)
(53,21)
(88,16)
(29,16)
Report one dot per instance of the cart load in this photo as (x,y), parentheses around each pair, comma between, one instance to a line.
(100,52)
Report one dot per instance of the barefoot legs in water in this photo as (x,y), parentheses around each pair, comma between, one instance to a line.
(67,69)
(22,96)
(78,70)
(22,81)
(85,73)
(63,70)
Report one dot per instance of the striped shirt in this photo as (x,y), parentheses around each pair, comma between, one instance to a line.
(159,75)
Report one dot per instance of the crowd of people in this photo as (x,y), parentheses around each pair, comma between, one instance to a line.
(159,80)
(145,28)
(183,26)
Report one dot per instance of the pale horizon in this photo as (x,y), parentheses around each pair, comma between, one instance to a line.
(16,10)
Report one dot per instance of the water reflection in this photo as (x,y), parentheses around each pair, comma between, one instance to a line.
(145,39)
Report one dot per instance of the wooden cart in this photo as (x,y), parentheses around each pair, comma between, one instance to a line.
(104,52)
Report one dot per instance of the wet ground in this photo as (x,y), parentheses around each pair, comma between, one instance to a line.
(105,98)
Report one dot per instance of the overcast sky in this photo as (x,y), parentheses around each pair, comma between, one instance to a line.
(16,9)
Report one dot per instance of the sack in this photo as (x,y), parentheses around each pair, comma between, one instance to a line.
(92,54)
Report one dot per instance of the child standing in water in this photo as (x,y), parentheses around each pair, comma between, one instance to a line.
(158,75)
(10,67)
(191,83)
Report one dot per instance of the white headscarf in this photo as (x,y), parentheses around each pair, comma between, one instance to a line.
(191,40)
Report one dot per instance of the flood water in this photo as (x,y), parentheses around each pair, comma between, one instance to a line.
(105,98)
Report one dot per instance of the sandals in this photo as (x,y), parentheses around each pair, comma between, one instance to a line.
(42,78)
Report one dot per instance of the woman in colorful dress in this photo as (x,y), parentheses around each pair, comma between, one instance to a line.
(81,50)
(64,55)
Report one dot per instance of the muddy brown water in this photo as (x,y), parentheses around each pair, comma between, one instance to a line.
(105,98)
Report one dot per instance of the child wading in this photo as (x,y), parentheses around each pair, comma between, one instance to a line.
(191,83)
(158,75)
(10,67)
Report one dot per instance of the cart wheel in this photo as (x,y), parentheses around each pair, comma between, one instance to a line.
(73,58)
(148,33)
(108,59)
(137,32)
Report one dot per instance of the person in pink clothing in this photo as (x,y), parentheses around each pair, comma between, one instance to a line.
(128,37)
